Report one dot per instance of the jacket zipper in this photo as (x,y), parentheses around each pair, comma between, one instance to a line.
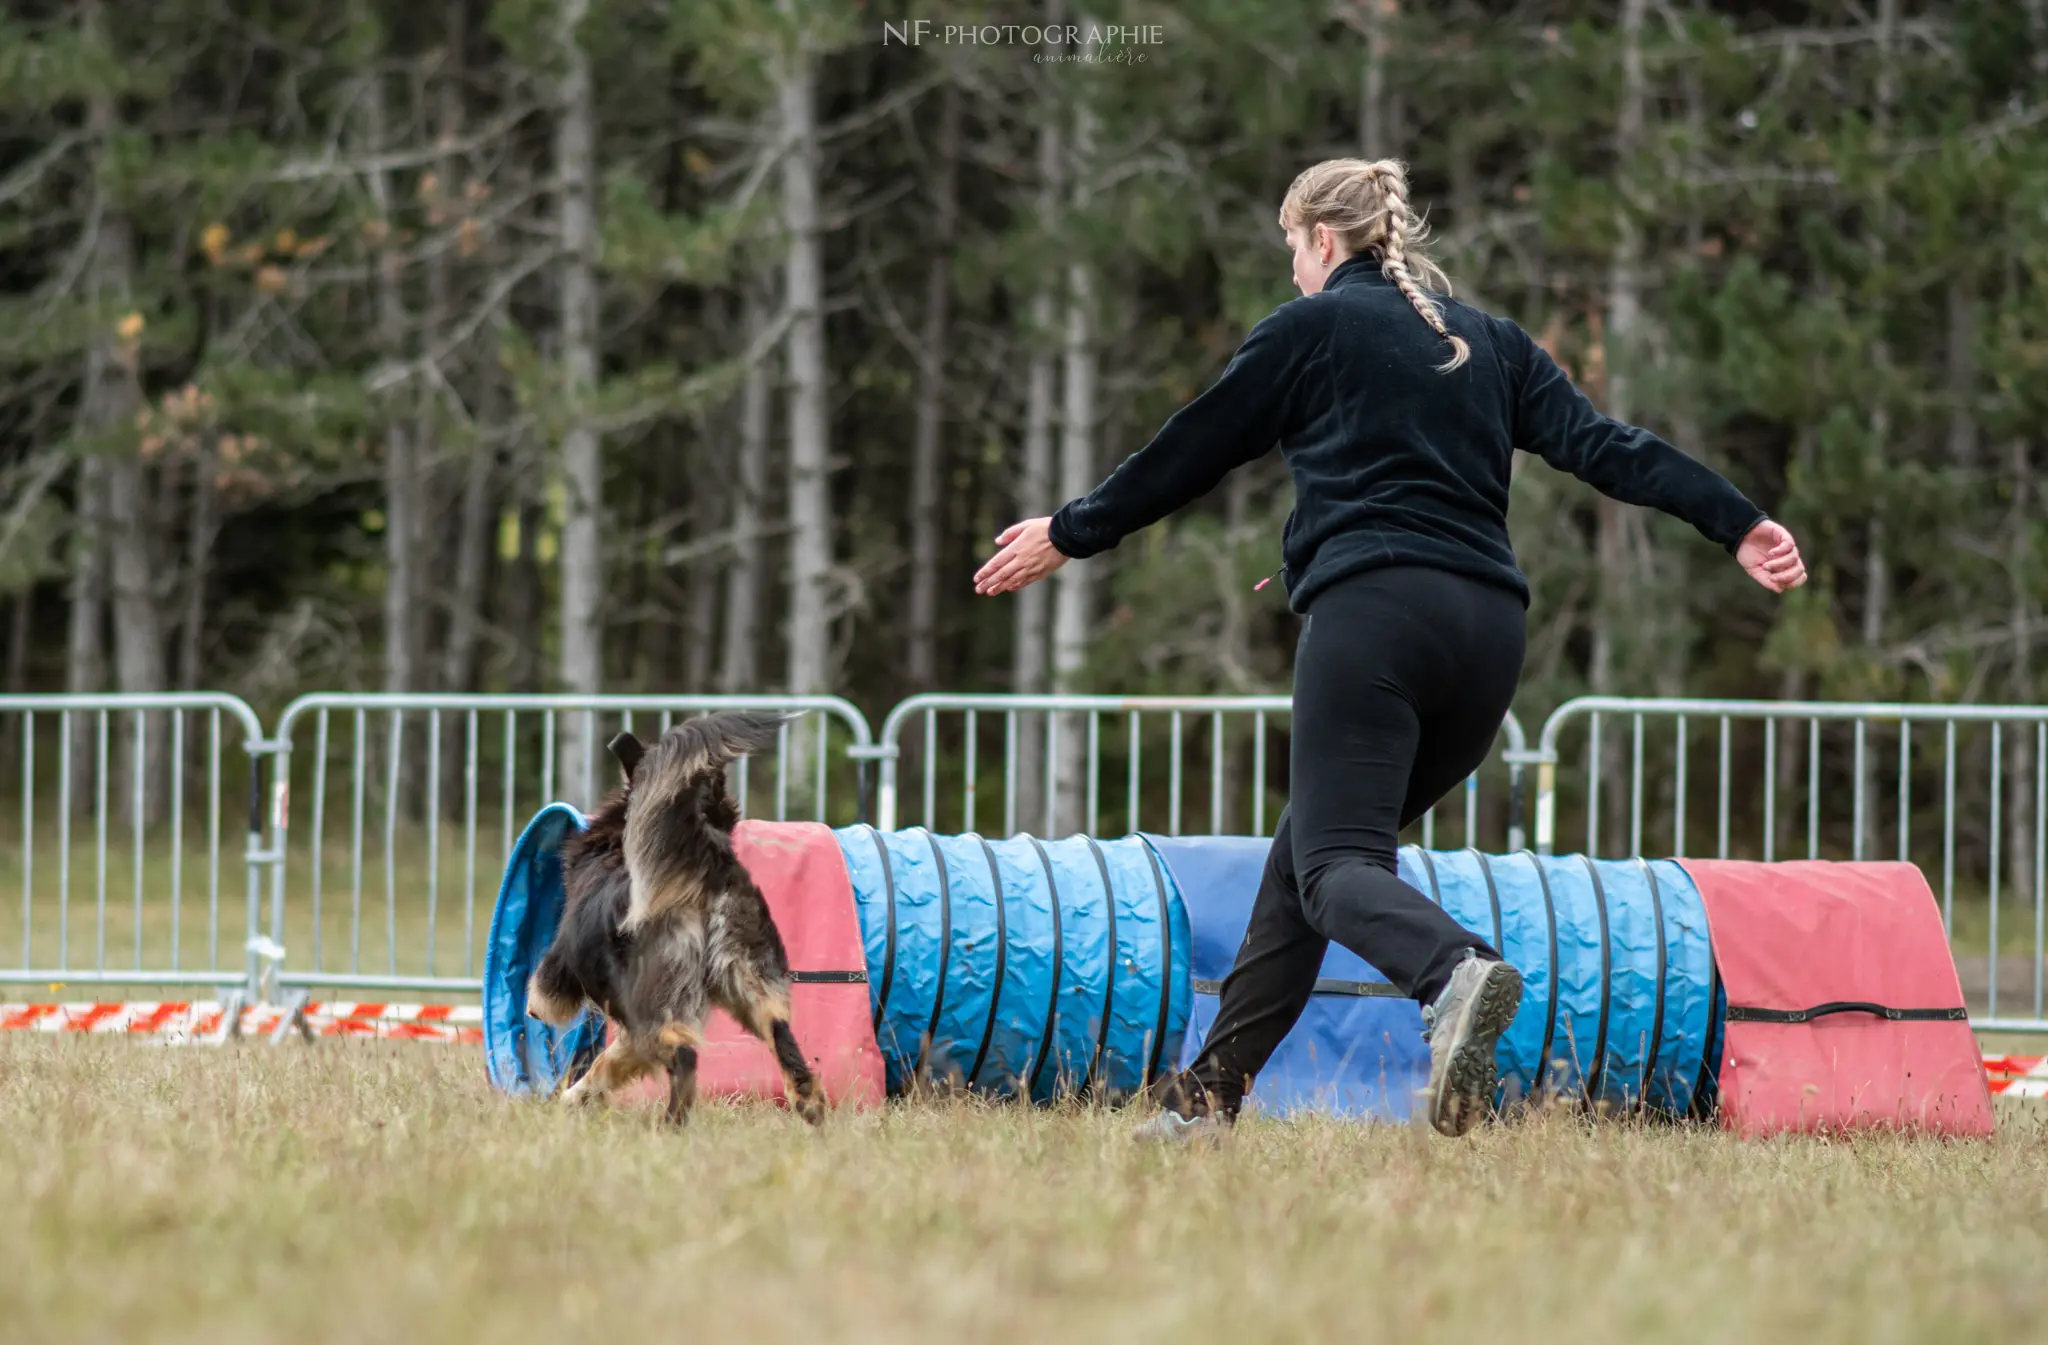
(1269,578)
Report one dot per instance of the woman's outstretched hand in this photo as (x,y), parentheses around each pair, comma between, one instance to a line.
(1771,557)
(1027,556)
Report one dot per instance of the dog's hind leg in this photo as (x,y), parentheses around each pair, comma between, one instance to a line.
(762,1008)
(673,1046)
(805,1094)
(682,1084)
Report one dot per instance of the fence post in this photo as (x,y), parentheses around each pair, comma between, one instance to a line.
(253,855)
(262,949)
(1546,804)
(1515,755)
(885,800)
(864,756)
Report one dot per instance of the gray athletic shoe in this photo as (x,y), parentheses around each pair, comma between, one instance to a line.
(1171,1127)
(1463,1026)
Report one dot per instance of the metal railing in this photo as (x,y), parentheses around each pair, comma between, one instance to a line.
(425,777)
(410,805)
(155,915)
(1931,785)
(1050,762)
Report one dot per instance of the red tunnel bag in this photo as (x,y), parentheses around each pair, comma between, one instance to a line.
(1844,1010)
(801,871)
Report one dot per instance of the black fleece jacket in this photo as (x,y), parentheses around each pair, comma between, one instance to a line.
(1393,462)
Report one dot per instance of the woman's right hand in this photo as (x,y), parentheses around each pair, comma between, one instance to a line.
(1771,557)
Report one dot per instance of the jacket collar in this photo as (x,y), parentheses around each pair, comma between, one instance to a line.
(1361,269)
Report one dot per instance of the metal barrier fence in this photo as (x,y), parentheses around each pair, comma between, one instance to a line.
(1951,788)
(155,910)
(1050,755)
(426,777)
(410,805)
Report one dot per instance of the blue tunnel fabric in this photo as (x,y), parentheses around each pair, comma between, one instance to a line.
(523,1055)
(1019,966)
(1614,954)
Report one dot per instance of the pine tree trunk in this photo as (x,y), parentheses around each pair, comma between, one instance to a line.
(1962,376)
(581,667)
(524,599)
(929,449)
(440,548)
(740,661)
(472,567)
(475,535)
(401,471)
(1234,652)
(86,652)
(404,569)
(701,618)
(638,578)
(2019,791)
(1029,647)
(20,631)
(201,527)
(810,502)
(1876,559)
(112,397)
(1466,213)
(474,538)
(1791,744)
(1377,113)
(809,643)
(1073,590)
(1673,569)
(1611,549)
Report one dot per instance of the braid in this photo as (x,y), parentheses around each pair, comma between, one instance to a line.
(1394,266)
(1366,205)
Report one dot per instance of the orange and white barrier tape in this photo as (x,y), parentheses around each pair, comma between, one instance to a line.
(186,1020)
(2017,1075)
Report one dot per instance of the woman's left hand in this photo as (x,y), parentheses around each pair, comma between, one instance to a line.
(1027,556)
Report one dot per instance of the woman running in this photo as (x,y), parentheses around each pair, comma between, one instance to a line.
(1398,411)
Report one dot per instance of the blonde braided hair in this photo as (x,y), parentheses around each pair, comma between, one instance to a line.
(1365,204)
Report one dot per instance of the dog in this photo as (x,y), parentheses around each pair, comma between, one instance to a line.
(662,922)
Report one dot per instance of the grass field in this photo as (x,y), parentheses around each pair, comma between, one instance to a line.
(364,1191)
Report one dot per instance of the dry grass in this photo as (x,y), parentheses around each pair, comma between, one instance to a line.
(380,1192)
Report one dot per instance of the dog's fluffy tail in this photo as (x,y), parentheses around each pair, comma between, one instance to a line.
(553,994)
(710,742)
(665,819)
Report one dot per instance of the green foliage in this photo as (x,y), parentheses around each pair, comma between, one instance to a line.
(1805,250)
(643,243)
(42,67)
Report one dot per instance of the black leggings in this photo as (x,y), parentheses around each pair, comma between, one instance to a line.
(1401,680)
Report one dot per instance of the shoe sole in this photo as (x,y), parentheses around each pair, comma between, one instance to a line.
(1473,1070)
(1190,1135)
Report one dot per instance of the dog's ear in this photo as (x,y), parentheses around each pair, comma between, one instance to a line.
(628,750)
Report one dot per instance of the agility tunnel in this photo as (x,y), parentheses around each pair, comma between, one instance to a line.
(1021,966)
(1770,996)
